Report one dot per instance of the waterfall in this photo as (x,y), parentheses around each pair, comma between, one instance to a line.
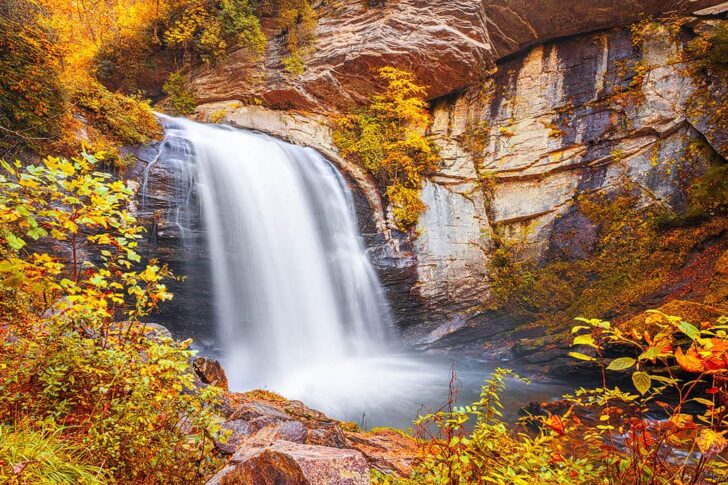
(298,305)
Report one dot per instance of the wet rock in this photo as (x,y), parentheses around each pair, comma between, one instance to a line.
(210,372)
(287,463)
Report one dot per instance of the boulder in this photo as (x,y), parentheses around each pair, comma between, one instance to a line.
(287,463)
(210,372)
(388,450)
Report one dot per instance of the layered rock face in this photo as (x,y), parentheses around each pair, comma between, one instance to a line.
(449,44)
(523,130)
(589,113)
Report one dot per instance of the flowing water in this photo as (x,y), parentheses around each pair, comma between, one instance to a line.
(298,307)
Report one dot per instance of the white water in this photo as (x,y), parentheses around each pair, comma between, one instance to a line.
(299,308)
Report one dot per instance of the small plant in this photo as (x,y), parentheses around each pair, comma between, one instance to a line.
(180,95)
(647,454)
(40,456)
(76,360)
(294,65)
(491,452)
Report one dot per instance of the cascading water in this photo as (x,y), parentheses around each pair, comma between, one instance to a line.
(298,306)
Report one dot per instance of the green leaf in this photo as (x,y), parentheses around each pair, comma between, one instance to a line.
(642,381)
(649,354)
(621,363)
(580,356)
(586,339)
(14,241)
(37,232)
(689,330)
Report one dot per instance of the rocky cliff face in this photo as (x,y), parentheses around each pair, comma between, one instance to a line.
(523,130)
(449,44)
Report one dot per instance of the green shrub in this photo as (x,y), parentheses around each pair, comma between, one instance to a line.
(180,95)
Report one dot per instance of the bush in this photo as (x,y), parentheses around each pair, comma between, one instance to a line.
(32,98)
(676,368)
(205,29)
(76,360)
(387,138)
(180,95)
(599,435)
(122,119)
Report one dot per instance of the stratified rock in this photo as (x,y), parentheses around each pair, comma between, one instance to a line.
(327,435)
(210,372)
(287,463)
(449,44)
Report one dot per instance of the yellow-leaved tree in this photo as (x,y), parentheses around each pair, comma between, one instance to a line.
(109,398)
(388,137)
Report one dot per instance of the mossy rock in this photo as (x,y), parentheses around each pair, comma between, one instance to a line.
(690,311)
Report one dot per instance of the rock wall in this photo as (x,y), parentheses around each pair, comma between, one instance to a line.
(449,44)
(596,112)
(589,113)
(523,130)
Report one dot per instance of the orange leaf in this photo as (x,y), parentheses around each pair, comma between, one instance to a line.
(689,362)
(556,424)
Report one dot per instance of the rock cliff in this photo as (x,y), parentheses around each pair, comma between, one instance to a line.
(534,103)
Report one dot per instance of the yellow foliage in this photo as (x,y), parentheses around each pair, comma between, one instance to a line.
(388,138)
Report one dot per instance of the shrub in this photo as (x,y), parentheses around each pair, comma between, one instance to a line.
(298,20)
(636,249)
(675,368)
(602,434)
(490,452)
(387,138)
(69,365)
(180,95)
(123,119)
(32,98)
(205,29)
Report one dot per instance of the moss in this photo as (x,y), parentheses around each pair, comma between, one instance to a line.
(350,427)
(265,395)
(632,263)
(294,65)
(475,138)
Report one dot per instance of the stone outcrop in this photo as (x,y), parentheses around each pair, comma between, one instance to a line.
(525,124)
(273,440)
(449,44)
(210,372)
(288,463)
(589,113)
